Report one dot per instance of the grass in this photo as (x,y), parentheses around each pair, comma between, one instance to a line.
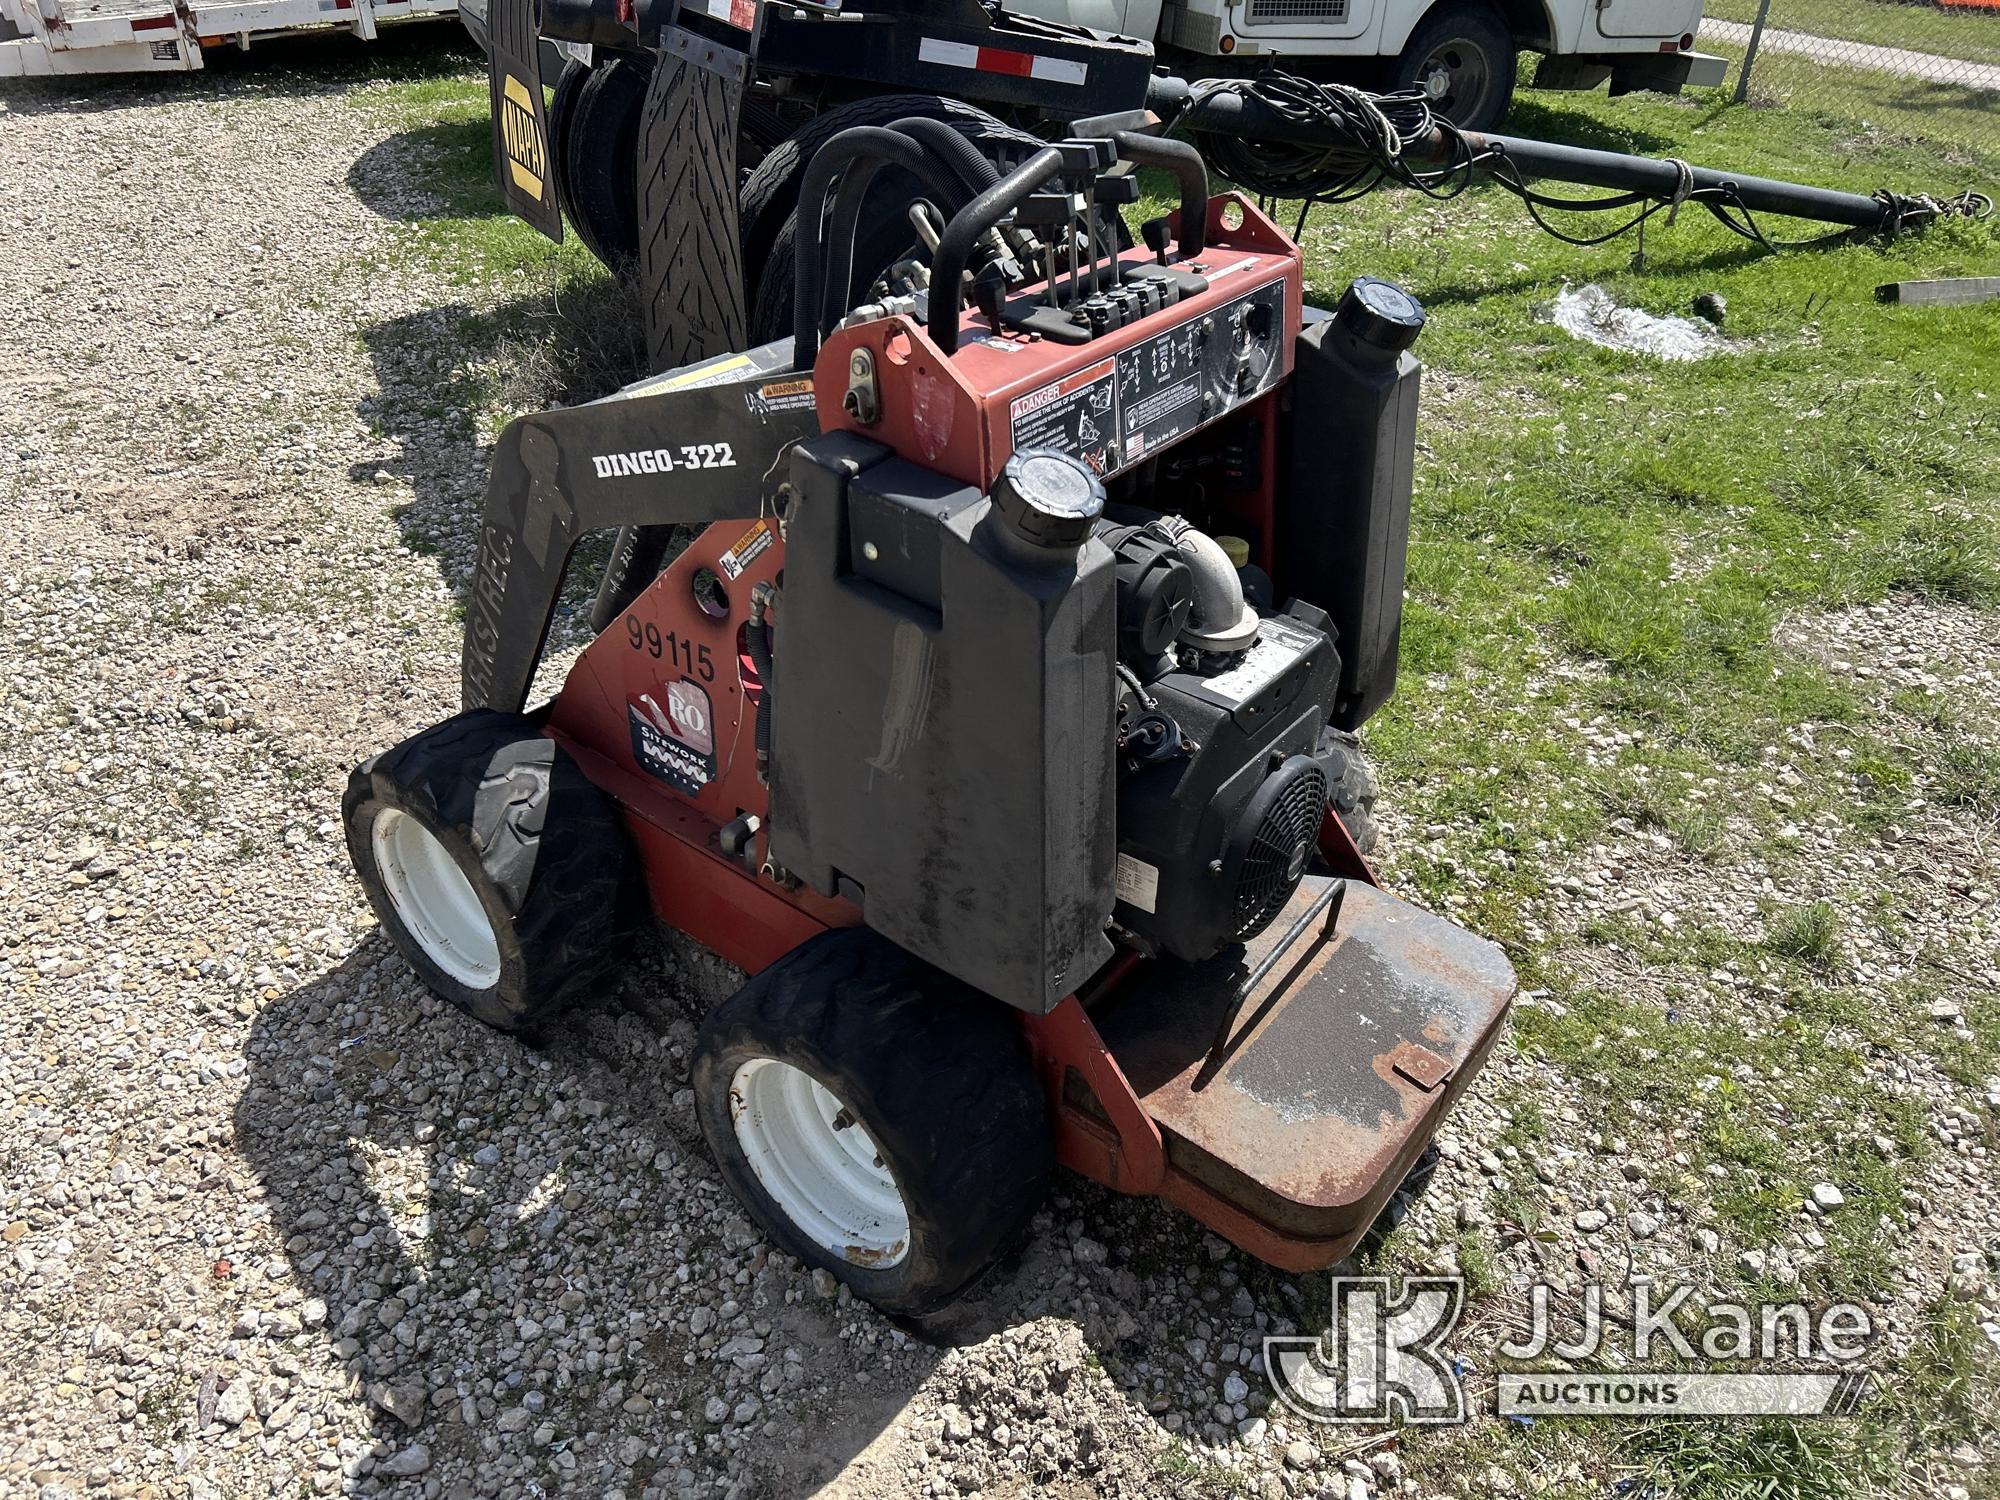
(1601,549)
(1973,35)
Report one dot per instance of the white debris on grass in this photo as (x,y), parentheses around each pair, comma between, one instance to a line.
(1589,313)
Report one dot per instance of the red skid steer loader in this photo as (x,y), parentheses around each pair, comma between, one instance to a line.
(994,721)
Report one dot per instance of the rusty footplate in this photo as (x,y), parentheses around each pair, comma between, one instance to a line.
(1341,1060)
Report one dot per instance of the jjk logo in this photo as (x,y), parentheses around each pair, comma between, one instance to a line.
(1382,1358)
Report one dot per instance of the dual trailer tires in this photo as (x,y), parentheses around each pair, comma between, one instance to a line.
(876,1117)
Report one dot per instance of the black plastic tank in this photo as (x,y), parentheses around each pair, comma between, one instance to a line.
(1346,456)
(943,711)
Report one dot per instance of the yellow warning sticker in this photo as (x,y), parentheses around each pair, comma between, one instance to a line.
(748,546)
(527,156)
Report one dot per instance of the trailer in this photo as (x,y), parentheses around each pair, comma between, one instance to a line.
(46,38)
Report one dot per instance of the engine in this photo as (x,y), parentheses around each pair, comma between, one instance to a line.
(1221,710)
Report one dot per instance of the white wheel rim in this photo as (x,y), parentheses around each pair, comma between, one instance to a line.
(434,900)
(828,1178)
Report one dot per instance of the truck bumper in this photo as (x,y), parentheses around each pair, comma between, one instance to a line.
(1628,72)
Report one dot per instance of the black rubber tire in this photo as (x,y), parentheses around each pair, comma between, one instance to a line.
(1484,37)
(562,115)
(939,1075)
(544,850)
(1416,1182)
(599,181)
(1350,787)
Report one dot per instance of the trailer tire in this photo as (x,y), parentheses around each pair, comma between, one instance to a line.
(769,200)
(562,115)
(1463,56)
(599,178)
(1351,787)
(952,1149)
(502,875)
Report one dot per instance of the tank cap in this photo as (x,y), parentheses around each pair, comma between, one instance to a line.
(1381,313)
(1048,498)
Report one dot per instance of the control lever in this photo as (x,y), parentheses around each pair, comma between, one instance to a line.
(1156,233)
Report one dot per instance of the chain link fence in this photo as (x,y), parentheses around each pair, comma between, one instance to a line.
(1926,69)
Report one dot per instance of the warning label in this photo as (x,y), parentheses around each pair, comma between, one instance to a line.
(746,551)
(675,739)
(1074,414)
(780,395)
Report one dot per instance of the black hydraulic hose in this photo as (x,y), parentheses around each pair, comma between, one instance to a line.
(964,158)
(637,554)
(861,143)
(949,150)
(1188,168)
(758,637)
(963,232)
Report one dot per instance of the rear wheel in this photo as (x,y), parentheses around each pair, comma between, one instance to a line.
(1462,57)
(502,875)
(877,1118)
(599,180)
(1350,787)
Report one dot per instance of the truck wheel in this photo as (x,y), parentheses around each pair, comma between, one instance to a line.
(769,200)
(502,875)
(599,179)
(562,114)
(1350,787)
(878,1118)
(1462,56)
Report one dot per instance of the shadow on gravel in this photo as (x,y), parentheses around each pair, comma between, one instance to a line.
(441,371)
(531,1268)
(512,1244)
(450,163)
(289,67)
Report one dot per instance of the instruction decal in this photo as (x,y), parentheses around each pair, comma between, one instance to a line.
(1114,412)
(673,734)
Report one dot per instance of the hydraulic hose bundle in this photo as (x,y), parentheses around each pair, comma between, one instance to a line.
(1283,136)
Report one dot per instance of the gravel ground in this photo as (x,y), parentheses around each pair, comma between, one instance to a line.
(275,1222)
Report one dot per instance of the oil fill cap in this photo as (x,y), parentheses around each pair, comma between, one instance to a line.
(1048,498)
(1380,313)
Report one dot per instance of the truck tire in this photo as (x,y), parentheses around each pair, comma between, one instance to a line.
(502,875)
(598,183)
(768,203)
(1350,787)
(562,114)
(880,1120)
(1463,56)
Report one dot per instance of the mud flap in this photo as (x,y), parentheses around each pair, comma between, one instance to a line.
(697,445)
(690,251)
(521,157)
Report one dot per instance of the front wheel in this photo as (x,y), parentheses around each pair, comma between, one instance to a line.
(1462,58)
(877,1118)
(503,876)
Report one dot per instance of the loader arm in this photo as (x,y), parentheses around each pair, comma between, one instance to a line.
(694,446)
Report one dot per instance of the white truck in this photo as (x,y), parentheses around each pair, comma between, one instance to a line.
(1463,53)
(43,37)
